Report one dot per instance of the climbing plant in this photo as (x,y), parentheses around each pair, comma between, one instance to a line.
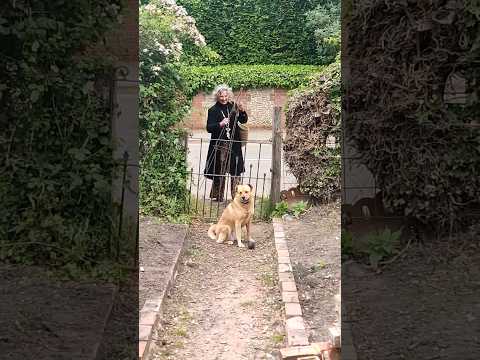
(55,145)
(256,31)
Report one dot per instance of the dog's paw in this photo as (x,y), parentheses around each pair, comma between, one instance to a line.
(230,242)
(219,241)
(241,244)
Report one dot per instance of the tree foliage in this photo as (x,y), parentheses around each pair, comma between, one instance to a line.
(324,20)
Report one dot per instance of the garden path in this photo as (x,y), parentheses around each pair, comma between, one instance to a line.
(225,303)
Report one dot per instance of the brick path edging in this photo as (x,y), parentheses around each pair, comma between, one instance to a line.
(151,310)
(298,344)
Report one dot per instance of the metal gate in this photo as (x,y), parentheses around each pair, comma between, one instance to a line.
(257,156)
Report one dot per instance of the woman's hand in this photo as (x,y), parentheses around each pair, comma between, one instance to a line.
(224,122)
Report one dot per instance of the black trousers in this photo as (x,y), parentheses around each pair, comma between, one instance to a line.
(221,164)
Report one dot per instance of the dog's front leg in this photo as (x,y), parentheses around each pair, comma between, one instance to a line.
(238,233)
(231,238)
(249,238)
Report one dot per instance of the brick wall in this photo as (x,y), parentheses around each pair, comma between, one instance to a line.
(259,104)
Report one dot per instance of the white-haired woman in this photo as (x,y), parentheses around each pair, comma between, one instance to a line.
(225,150)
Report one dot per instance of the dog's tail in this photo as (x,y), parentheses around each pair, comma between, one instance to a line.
(211,232)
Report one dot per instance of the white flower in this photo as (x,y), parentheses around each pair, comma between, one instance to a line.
(182,25)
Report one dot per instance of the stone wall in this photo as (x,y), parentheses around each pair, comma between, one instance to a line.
(259,104)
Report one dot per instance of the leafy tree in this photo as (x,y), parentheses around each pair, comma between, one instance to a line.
(324,20)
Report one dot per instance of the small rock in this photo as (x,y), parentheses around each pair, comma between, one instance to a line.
(287,217)
(142,269)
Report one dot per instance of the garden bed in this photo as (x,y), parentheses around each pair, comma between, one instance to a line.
(314,245)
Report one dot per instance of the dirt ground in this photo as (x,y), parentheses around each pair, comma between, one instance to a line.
(424,305)
(314,246)
(120,337)
(225,304)
(49,318)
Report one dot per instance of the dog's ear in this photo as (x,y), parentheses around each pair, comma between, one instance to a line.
(251,187)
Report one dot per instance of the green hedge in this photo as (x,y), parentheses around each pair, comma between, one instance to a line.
(205,78)
(256,31)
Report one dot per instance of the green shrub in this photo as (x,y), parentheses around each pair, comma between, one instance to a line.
(324,20)
(381,245)
(346,244)
(163,104)
(421,149)
(56,162)
(312,117)
(280,209)
(299,208)
(205,78)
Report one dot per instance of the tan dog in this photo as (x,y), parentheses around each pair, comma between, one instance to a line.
(238,214)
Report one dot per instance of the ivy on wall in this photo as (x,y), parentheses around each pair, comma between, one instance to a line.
(205,78)
(55,145)
(256,31)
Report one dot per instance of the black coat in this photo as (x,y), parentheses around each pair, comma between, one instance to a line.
(215,116)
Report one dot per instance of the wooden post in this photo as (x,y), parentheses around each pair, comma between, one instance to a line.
(276,156)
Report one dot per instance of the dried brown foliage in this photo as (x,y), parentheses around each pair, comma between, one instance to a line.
(312,117)
(422,149)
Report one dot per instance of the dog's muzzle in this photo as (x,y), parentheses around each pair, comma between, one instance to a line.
(244,201)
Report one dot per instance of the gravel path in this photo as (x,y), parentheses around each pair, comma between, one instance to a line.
(225,303)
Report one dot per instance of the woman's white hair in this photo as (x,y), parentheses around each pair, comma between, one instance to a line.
(221,88)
